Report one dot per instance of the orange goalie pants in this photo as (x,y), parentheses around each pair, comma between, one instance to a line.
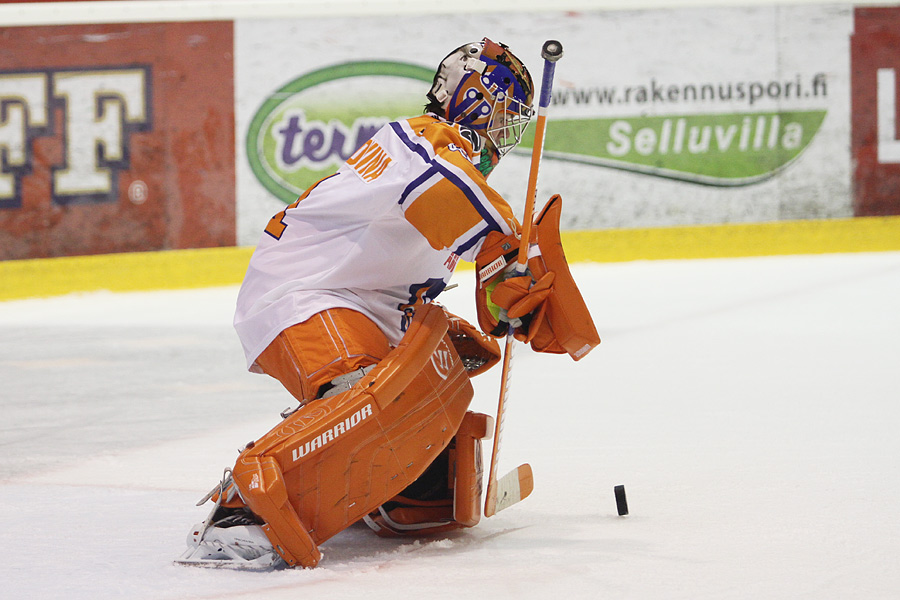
(336,341)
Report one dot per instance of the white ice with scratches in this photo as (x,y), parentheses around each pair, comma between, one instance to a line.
(751,407)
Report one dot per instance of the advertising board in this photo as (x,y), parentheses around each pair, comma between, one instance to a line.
(659,118)
(116,138)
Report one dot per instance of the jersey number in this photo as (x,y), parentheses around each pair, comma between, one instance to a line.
(419,294)
(276,225)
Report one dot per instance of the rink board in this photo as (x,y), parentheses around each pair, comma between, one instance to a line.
(178,269)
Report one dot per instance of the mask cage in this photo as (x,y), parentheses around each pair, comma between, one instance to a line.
(509,119)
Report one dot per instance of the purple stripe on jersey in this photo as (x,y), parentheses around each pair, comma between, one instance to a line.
(465,246)
(416,183)
(470,195)
(409,143)
(449,175)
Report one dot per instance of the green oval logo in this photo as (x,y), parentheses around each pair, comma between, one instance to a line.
(307,128)
(730,149)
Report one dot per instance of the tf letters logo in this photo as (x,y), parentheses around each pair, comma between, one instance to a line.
(100,109)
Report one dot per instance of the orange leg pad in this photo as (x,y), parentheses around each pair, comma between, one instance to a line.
(468,468)
(336,459)
(267,496)
(405,516)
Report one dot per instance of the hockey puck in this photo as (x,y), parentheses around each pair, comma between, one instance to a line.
(621,501)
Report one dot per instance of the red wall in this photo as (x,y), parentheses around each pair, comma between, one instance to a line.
(150,105)
(875,45)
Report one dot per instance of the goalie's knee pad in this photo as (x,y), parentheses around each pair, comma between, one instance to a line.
(337,459)
(448,495)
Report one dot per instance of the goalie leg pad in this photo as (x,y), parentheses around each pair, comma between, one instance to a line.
(468,468)
(337,459)
(457,501)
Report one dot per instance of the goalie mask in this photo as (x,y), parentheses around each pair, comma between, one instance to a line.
(484,87)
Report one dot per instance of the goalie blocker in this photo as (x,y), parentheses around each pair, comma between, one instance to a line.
(356,455)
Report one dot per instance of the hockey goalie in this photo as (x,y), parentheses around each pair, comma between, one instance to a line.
(338,305)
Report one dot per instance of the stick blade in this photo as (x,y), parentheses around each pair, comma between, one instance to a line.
(513,487)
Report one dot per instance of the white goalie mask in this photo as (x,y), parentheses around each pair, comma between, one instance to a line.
(484,87)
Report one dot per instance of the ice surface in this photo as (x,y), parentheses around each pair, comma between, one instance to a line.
(751,407)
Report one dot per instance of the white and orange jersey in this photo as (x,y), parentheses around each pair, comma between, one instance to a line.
(380,236)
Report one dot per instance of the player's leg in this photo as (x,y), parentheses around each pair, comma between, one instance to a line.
(338,458)
(447,496)
(323,355)
(307,357)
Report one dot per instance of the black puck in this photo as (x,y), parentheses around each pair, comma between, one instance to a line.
(621,501)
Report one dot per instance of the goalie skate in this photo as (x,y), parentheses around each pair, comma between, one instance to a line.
(230,537)
(243,547)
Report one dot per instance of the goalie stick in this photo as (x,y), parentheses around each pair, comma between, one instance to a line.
(518,483)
